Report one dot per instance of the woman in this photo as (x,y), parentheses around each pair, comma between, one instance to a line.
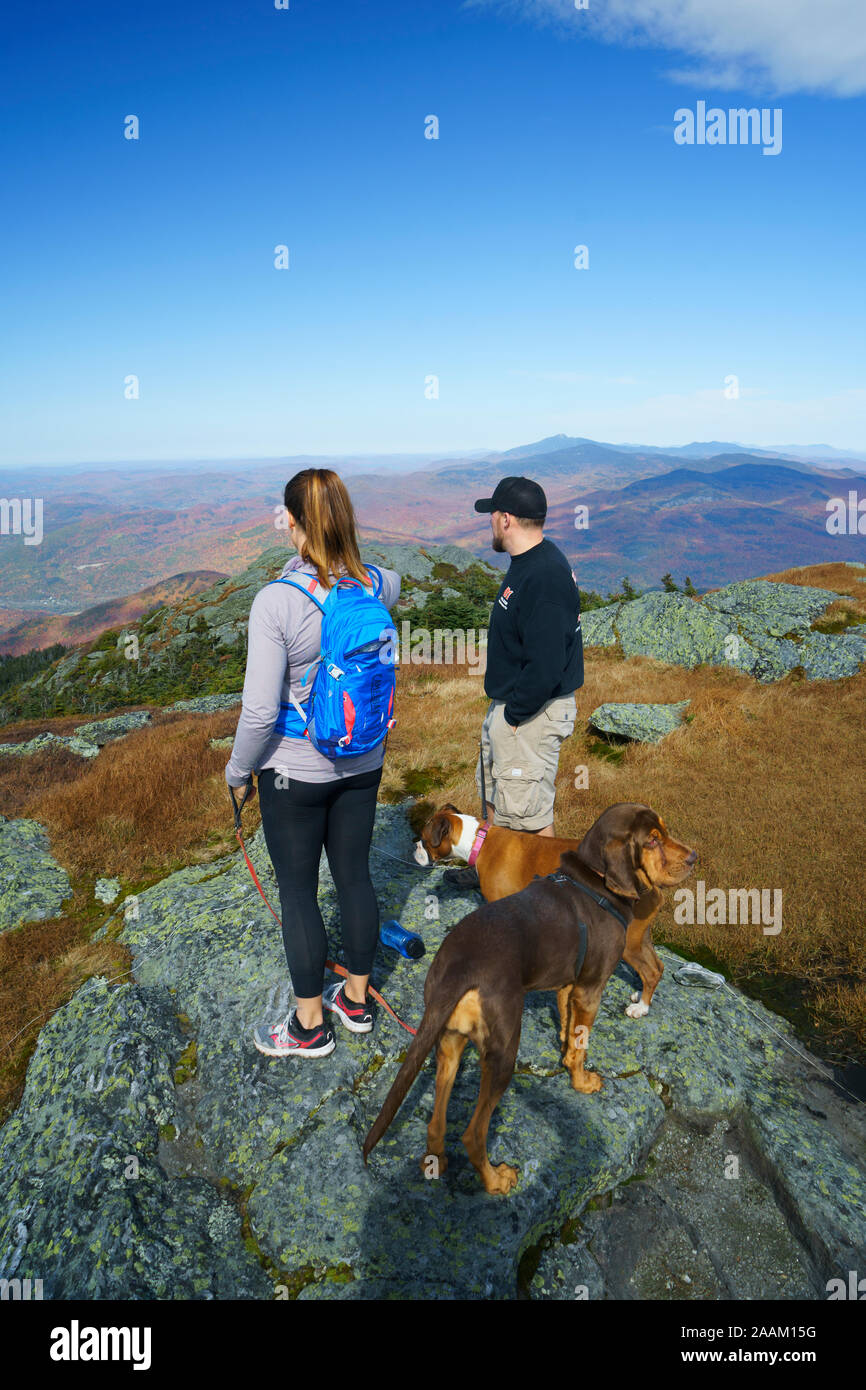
(308,800)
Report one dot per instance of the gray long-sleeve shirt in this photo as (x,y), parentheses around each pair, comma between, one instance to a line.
(283,647)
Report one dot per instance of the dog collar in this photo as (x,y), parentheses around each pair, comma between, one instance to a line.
(561,876)
(480,837)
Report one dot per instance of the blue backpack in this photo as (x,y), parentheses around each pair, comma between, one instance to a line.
(351,704)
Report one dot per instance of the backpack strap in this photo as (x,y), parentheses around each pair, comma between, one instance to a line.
(308,590)
(314,583)
(305,589)
(371,569)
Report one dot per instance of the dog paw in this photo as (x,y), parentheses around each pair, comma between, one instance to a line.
(500,1179)
(587,1082)
(635,995)
(637,1009)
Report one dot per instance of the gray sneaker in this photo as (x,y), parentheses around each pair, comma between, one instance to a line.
(285,1040)
(358,1018)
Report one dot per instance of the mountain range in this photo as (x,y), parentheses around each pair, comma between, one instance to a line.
(712,511)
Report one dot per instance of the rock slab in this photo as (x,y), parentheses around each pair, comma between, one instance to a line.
(757,626)
(164,1068)
(642,723)
(33,886)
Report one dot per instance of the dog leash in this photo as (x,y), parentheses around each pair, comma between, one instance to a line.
(407,863)
(330,964)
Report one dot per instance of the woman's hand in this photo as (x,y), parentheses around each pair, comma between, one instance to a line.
(240,786)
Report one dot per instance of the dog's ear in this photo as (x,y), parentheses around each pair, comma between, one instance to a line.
(449,806)
(621,866)
(440,827)
(613,858)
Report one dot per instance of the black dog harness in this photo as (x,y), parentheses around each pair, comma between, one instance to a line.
(603,902)
(561,877)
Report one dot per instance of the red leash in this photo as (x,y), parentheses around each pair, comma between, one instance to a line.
(331,964)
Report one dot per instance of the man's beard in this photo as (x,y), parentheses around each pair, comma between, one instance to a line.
(497,545)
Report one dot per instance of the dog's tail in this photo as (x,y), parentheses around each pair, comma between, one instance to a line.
(430,1028)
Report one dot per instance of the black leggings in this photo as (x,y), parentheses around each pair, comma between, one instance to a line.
(298,819)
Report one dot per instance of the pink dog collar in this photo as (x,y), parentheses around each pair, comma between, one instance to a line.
(480,837)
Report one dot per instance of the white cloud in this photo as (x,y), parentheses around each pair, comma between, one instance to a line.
(778,45)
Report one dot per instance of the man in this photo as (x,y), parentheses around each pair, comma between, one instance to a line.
(534,666)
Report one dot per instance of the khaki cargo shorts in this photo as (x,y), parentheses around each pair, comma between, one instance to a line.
(520,767)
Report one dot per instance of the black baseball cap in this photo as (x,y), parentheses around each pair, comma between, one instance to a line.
(519,496)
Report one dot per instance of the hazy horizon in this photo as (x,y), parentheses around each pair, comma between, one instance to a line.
(416,460)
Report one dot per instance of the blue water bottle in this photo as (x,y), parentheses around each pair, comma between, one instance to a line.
(399,939)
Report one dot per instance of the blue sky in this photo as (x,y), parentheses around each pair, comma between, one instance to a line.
(412,258)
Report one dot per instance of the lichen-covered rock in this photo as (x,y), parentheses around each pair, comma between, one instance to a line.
(33,886)
(827,656)
(102,731)
(105,890)
(207,704)
(85,1205)
(757,626)
(42,743)
(598,627)
(672,627)
(769,608)
(414,598)
(699,1223)
(413,562)
(228,634)
(289,1132)
(82,747)
(86,739)
(644,723)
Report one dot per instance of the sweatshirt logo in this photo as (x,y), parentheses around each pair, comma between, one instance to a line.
(504,597)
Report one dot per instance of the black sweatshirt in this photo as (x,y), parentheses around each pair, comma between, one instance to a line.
(534,644)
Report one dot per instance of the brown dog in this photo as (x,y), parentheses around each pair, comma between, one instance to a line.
(564,933)
(508,860)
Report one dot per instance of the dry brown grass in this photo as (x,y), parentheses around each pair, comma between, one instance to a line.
(149,803)
(765,781)
(832,575)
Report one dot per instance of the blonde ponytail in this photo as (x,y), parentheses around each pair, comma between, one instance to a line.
(318,500)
